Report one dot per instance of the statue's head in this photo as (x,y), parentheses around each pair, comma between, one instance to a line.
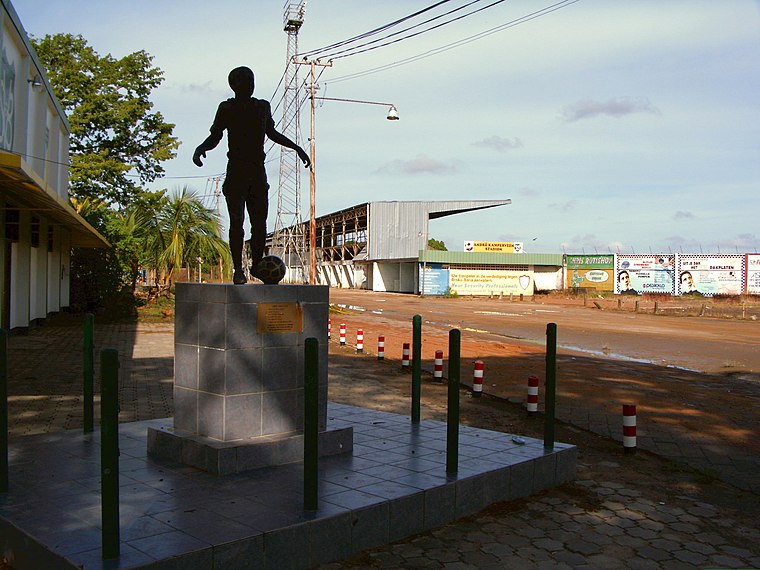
(241,81)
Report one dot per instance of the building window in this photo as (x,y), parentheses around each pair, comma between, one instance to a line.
(35,231)
(493,267)
(12,225)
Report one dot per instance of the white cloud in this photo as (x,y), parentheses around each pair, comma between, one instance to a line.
(683,215)
(564,206)
(499,144)
(205,87)
(421,164)
(620,107)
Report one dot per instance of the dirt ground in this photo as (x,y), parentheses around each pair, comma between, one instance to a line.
(382,385)
(721,406)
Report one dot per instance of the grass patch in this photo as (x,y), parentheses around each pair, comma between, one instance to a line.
(159,310)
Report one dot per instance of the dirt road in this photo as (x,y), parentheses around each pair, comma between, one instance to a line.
(703,344)
(696,381)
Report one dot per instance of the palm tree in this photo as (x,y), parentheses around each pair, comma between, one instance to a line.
(181,231)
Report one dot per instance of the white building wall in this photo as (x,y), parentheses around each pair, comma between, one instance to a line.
(64,269)
(385,276)
(548,278)
(407,278)
(20,275)
(39,274)
(32,126)
(54,280)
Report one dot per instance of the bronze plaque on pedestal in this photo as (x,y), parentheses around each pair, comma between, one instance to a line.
(279,318)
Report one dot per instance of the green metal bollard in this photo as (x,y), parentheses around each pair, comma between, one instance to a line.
(88,372)
(109,451)
(416,367)
(311,425)
(3,410)
(551,385)
(452,412)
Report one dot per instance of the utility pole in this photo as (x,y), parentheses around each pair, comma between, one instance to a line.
(288,240)
(312,89)
(218,199)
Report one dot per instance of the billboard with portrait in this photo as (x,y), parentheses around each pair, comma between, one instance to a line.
(752,264)
(590,272)
(639,274)
(708,275)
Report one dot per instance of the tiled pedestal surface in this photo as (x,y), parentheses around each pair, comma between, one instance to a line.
(393,485)
(238,389)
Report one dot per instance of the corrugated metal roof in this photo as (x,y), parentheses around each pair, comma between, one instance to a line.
(490,258)
(399,230)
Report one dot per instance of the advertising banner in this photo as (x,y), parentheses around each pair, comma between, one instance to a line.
(434,280)
(639,274)
(494,246)
(487,282)
(590,272)
(753,273)
(708,275)
(7,102)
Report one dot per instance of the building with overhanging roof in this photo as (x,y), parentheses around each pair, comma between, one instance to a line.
(39,224)
(378,245)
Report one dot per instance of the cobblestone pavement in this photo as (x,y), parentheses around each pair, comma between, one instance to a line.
(621,512)
(45,373)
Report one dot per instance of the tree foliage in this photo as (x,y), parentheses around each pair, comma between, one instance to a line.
(180,233)
(158,231)
(117,141)
(437,245)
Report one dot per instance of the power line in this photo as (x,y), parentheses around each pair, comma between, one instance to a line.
(26,156)
(348,52)
(458,43)
(372,32)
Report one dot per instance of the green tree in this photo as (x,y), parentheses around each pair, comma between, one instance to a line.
(101,277)
(182,231)
(117,141)
(437,245)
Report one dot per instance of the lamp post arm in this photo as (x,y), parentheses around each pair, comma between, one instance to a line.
(355,101)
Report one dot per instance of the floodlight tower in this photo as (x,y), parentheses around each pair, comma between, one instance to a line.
(289,238)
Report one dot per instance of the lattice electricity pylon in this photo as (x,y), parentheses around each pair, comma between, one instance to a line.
(289,241)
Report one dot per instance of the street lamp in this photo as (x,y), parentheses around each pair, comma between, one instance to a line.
(392,112)
(392,116)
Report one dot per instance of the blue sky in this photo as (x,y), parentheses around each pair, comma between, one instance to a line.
(612,126)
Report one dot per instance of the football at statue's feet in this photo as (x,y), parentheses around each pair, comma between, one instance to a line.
(270,270)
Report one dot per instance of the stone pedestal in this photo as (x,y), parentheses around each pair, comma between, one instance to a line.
(238,375)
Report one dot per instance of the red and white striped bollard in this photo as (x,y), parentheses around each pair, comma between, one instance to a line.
(477,379)
(405,357)
(381,347)
(438,369)
(629,428)
(329,328)
(359,340)
(343,334)
(532,404)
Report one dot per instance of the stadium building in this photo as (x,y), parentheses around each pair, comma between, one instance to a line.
(382,246)
(39,225)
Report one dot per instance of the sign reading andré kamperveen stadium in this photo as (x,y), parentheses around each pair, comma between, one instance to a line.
(494,246)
